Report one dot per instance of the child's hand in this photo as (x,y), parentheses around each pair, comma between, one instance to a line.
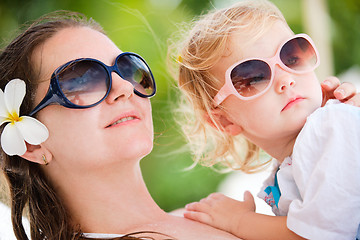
(345,92)
(221,211)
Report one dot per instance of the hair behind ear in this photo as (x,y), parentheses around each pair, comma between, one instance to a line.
(29,187)
(18,186)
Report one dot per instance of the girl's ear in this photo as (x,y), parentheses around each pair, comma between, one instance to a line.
(221,122)
(37,154)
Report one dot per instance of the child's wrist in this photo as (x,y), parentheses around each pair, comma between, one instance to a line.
(242,223)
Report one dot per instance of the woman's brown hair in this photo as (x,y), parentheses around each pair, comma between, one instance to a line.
(27,183)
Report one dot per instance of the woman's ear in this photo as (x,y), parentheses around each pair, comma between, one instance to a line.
(37,154)
(221,122)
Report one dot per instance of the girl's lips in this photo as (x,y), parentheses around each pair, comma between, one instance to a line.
(292,102)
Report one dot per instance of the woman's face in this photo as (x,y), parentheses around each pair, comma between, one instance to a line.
(94,137)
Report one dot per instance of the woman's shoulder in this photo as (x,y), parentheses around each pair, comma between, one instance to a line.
(101,235)
(178,227)
(188,229)
(172,227)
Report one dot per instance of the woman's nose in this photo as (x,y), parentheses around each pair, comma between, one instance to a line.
(120,89)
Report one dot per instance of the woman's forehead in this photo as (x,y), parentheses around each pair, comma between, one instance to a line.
(73,43)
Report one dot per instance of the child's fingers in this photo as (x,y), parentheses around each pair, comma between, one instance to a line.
(216,196)
(355,100)
(197,207)
(332,88)
(198,216)
(249,198)
(344,91)
(330,83)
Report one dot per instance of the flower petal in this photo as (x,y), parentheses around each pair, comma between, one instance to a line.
(4,120)
(3,109)
(12,141)
(14,94)
(33,131)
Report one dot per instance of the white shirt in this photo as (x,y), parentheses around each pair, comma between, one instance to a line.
(320,182)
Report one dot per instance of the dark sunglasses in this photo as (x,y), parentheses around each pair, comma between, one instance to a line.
(251,78)
(86,82)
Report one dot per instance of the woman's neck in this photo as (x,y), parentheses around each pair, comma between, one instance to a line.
(109,200)
(115,200)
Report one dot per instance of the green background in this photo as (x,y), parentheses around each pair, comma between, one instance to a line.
(143,26)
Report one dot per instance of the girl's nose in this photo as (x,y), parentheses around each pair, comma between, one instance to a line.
(120,89)
(283,80)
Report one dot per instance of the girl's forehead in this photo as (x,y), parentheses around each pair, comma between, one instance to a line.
(251,44)
(261,43)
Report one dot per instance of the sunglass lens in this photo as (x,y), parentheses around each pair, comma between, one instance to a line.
(134,70)
(299,54)
(84,83)
(251,77)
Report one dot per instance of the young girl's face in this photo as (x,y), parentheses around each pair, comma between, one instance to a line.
(281,111)
(86,139)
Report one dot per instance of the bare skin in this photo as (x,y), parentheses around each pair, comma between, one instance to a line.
(345,92)
(97,173)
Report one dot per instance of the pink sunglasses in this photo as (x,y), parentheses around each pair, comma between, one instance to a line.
(250,78)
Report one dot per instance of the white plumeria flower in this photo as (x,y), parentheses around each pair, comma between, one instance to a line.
(19,129)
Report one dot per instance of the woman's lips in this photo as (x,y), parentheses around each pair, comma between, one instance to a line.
(122,119)
(125,119)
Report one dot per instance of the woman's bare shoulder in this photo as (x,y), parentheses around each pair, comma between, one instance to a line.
(182,228)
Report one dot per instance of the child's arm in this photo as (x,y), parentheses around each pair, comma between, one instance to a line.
(238,218)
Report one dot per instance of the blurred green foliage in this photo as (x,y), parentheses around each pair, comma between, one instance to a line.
(143,26)
(345,25)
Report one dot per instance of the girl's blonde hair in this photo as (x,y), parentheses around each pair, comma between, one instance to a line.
(205,44)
